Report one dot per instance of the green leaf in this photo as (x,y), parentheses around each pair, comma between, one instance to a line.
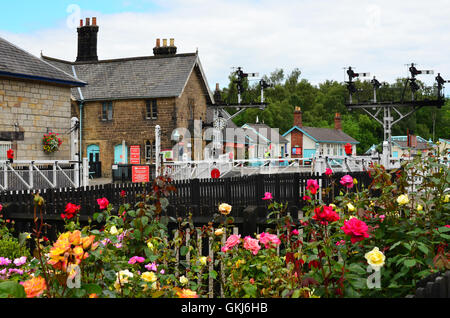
(296,293)
(410,262)
(23,237)
(447,237)
(213,274)
(395,245)
(92,289)
(423,248)
(184,250)
(251,290)
(11,289)
(164,220)
(144,220)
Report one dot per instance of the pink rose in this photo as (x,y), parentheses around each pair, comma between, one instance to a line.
(103,203)
(267,196)
(269,240)
(1,207)
(136,259)
(295,232)
(232,241)
(312,186)
(328,172)
(347,181)
(357,229)
(252,245)
(306,198)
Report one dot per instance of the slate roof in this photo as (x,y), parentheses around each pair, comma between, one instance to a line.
(129,78)
(420,145)
(325,134)
(266,131)
(17,63)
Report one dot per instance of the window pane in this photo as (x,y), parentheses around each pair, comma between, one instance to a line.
(104,115)
(110,112)
(154,109)
(4,147)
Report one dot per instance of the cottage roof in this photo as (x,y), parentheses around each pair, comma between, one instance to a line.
(265,131)
(138,77)
(17,63)
(325,135)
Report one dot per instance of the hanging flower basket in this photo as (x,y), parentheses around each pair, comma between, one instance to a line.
(51,142)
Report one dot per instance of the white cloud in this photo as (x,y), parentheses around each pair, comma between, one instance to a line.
(318,37)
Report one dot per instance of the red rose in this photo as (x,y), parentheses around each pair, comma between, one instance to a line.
(103,203)
(312,186)
(357,229)
(71,210)
(325,215)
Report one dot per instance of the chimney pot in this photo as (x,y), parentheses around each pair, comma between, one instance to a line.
(87,41)
(164,42)
(298,121)
(158,43)
(172,42)
(94,21)
(217,87)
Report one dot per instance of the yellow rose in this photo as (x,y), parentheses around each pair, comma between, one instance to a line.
(184,280)
(225,209)
(419,207)
(203,260)
(375,258)
(218,232)
(446,198)
(403,199)
(355,181)
(350,207)
(150,245)
(122,278)
(149,277)
(113,230)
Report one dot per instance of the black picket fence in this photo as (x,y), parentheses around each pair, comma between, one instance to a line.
(200,197)
(436,285)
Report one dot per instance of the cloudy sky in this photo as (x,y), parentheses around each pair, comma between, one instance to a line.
(320,37)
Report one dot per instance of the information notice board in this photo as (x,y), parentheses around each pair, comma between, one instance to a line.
(140,174)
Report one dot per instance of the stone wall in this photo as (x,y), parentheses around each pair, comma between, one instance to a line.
(129,122)
(36,108)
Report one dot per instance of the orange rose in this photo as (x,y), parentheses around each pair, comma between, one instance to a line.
(34,287)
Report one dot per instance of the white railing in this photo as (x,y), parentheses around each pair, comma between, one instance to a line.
(4,147)
(42,174)
(235,167)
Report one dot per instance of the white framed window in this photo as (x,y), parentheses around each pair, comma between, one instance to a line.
(150,151)
(4,147)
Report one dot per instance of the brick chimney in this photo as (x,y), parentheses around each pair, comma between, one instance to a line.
(337,122)
(165,49)
(298,117)
(411,140)
(87,41)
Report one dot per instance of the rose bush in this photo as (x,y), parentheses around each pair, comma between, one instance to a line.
(394,226)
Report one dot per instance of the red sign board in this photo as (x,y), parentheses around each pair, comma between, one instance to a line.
(135,155)
(141,174)
(215,173)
